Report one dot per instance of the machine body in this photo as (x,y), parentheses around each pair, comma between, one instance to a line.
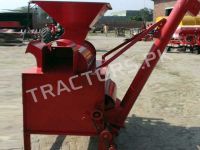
(68,92)
(187,36)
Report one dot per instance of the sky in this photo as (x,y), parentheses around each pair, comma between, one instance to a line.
(117,5)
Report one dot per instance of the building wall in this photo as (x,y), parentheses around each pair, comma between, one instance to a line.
(127,13)
(161,5)
(118,22)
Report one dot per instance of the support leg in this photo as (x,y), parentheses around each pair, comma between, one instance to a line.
(27,141)
(102,145)
(106,141)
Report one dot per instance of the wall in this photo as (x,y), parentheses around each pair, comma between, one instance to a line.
(161,5)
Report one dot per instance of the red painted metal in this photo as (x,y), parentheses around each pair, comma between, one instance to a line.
(9,24)
(180,9)
(58,97)
(129,43)
(77,18)
(185,37)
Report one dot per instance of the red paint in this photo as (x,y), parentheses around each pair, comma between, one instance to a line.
(186,37)
(75,17)
(9,24)
(82,108)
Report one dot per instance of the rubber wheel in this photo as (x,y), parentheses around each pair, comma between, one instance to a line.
(168,49)
(182,49)
(197,51)
(46,35)
(191,49)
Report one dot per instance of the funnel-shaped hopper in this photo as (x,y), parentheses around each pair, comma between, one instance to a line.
(75,17)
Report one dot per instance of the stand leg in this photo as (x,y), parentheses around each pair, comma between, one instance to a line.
(102,145)
(106,141)
(27,141)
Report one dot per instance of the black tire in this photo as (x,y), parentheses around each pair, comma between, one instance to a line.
(46,35)
(168,49)
(191,49)
(182,49)
(197,51)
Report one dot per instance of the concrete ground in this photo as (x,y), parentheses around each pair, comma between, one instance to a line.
(166,115)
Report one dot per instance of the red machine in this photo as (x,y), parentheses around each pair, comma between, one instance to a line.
(8,35)
(66,93)
(186,38)
(10,24)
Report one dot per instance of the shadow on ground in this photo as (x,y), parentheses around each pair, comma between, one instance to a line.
(149,134)
(58,143)
(154,134)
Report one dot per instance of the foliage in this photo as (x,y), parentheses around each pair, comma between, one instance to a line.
(23,9)
(145,14)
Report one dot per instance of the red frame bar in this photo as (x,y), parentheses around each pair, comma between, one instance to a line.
(130,43)
(180,9)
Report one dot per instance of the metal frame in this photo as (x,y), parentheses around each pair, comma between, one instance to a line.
(118,115)
(113,119)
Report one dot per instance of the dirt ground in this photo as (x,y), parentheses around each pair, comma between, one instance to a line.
(166,115)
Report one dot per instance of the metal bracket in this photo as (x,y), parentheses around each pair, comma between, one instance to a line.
(130,43)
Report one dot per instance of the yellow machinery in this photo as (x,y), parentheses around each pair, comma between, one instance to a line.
(186,36)
(187,20)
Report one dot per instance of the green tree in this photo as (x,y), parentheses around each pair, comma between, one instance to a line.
(144,14)
(23,9)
